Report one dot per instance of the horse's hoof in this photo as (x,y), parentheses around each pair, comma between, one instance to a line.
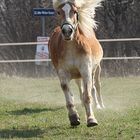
(91,123)
(103,106)
(74,119)
(98,107)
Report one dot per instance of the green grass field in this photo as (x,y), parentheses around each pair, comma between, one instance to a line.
(34,109)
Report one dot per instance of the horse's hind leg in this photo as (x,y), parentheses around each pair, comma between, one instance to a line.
(72,112)
(98,86)
(80,87)
(94,94)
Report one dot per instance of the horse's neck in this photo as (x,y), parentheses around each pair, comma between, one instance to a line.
(81,39)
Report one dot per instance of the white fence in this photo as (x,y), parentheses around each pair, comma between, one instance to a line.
(48,60)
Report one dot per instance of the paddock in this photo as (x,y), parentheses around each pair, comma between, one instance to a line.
(34,108)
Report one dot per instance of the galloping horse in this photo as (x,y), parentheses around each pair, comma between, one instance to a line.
(76,54)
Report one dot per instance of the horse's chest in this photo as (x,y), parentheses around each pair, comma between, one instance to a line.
(71,58)
(71,62)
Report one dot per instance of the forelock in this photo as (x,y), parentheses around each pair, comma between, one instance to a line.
(57,3)
(66,8)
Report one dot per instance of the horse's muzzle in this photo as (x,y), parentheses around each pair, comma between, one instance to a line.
(67,31)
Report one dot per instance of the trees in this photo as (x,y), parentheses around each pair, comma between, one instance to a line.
(120,19)
(17,25)
(117,19)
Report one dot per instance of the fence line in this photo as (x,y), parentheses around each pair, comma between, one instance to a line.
(119,40)
(36,43)
(121,58)
(49,60)
(25,61)
(22,44)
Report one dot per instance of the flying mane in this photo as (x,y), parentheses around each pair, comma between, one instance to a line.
(86,12)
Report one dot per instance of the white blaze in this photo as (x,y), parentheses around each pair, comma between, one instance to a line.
(66,9)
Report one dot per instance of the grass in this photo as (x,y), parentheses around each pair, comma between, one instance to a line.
(35,109)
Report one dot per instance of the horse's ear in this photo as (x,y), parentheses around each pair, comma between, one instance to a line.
(79,3)
(77,16)
(72,1)
(56,3)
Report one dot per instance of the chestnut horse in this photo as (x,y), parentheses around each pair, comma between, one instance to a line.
(76,54)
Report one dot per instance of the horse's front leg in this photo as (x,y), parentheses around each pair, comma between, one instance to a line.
(87,97)
(72,112)
(80,86)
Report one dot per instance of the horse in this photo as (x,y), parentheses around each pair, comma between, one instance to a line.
(76,54)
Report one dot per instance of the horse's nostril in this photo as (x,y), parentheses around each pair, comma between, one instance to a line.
(63,30)
(70,30)
(67,30)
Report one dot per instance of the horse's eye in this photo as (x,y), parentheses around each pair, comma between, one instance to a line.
(75,12)
(58,13)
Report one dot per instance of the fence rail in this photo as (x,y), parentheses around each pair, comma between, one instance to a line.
(48,60)
(35,43)
(22,44)
(119,40)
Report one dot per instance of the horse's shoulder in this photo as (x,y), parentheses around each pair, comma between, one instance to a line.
(55,32)
(88,45)
(55,38)
(57,29)
(55,45)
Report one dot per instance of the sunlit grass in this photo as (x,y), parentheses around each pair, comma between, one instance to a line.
(35,109)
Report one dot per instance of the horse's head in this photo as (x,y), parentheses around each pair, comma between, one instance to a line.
(76,12)
(68,16)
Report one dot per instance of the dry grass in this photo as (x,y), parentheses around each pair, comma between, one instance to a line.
(35,109)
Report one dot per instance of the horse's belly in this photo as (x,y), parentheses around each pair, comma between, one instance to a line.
(72,67)
(74,72)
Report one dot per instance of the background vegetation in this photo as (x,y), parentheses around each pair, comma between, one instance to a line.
(35,109)
(116,19)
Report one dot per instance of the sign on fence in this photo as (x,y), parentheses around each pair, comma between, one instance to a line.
(43,12)
(42,51)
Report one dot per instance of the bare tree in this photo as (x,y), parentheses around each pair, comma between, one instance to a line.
(120,19)
(18,25)
(117,19)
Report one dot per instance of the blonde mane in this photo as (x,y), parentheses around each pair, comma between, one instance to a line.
(86,11)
